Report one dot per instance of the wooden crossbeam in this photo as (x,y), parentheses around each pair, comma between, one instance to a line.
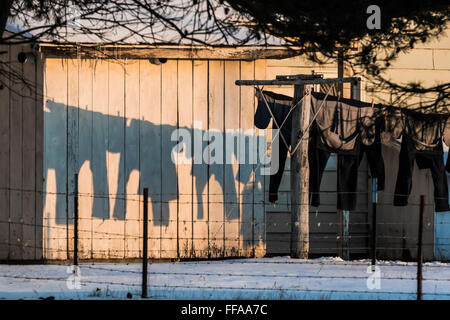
(300,76)
(295,81)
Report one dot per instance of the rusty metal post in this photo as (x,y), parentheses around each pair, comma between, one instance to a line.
(75,222)
(374,220)
(145,245)
(420,247)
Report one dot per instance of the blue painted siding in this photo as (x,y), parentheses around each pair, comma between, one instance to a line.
(442,231)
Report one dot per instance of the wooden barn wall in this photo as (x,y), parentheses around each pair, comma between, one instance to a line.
(109,109)
(112,122)
(21,127)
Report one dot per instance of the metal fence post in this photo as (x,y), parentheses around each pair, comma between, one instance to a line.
(420,248)
(75,222)
(374,220)
(144,245)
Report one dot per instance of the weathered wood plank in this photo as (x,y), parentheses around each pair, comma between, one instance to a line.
(72,144)
(85,175)
(39,136)
(232,219)
(216,159)
(169,186)
(184,167)
(4,158)
(248,153)
(259,231)
(116,150)
(278,243)
(170,52)
(29,161)
(200,168)
(150,144)
(55,148)
(100,207)
(16,155)
(133,229)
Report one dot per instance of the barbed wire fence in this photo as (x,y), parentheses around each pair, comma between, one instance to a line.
(74,235)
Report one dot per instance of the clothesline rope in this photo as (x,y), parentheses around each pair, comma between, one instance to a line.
(287,116)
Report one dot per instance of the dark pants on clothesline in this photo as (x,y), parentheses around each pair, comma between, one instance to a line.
(347,172)
(347,178)
(275,179)
(280,109)
(318,159)
(424,160)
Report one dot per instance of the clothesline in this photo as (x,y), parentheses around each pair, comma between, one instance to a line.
(359,132)
(287,116)
(295,81)
(377,113)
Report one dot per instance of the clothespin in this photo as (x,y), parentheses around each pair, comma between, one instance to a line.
(372,102)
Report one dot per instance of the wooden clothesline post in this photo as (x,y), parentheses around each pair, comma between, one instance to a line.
(299,160)
(300,174)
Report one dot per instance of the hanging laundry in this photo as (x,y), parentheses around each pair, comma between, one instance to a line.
(422,142)
(355,133)
(349,128)
(348,165)
(318,159)
(275,107)
(342,123)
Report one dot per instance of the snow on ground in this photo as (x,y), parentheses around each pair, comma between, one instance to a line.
(265,278)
